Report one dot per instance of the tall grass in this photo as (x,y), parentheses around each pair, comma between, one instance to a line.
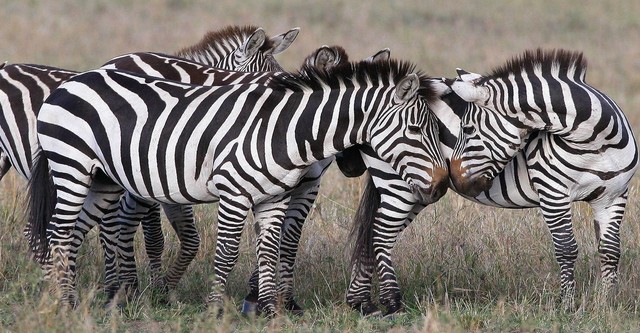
(462,266)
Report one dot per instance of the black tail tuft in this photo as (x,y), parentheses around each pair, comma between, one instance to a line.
(42,200)
(363,225)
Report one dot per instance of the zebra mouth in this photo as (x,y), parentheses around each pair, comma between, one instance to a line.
(472,187)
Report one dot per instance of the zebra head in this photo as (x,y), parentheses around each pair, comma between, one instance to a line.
(244,49)
(404,134)
(486,143)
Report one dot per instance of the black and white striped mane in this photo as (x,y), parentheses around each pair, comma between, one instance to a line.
(359,73)
(551,61)
(212,40)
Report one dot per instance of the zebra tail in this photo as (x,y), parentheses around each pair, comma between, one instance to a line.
(362,229)
(42,199)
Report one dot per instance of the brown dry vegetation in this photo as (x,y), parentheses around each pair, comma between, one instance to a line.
(462,266)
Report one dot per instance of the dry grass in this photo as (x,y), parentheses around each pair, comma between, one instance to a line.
(463,267)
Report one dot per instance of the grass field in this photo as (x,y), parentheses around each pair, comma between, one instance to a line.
(462,266)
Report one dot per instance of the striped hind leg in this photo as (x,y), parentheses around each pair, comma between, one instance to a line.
(269,217)
(183,222)
(607,221)
(294,219)
(557,215)
(132,210)
(99,208)
(74,189)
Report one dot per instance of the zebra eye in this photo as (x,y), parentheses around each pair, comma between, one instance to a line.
(415,129)
(468,130)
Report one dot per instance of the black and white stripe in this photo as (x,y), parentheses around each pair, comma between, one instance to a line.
(547,165)
(24,87)
(243,145)
(578,144)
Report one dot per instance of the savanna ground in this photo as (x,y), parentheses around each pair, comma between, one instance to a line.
(462,266)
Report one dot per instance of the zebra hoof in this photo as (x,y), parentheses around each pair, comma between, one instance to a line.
(367,309)
(294,308)
(393,312)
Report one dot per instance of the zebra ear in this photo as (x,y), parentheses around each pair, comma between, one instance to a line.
(382,55)
(283,41)
(440,86)
(468,76)
(469,92)
(325,58)
(407,88)
(253,43)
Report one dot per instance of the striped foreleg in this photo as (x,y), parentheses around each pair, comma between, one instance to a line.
(232,213)
(392,217)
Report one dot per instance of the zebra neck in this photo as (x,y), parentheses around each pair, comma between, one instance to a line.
(209,56)
(323,128)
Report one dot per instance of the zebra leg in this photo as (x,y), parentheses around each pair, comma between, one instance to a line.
(71,195)
(101,207)
(131,211)
(302,199)
(557,215)
(182,221)
(232,212)
(269,216)
(394,214)
(292,231)
(362,260)
(607,222)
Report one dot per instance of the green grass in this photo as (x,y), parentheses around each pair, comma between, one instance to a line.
(461,266)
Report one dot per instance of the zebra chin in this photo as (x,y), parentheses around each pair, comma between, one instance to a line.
(435,190)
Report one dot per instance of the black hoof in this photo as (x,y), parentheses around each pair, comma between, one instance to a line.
(367,309)
(394,309)
(294,308)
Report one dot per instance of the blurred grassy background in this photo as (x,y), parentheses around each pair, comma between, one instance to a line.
(462,267)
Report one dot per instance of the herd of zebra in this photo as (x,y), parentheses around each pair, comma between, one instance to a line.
(221,121)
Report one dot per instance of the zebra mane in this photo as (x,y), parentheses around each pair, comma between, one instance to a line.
(213,41)
(555,60)
(357,73)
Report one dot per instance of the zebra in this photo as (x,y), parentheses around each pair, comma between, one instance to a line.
(324,58)
(23,88)
(383,104)
(579,147)
(512,185)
